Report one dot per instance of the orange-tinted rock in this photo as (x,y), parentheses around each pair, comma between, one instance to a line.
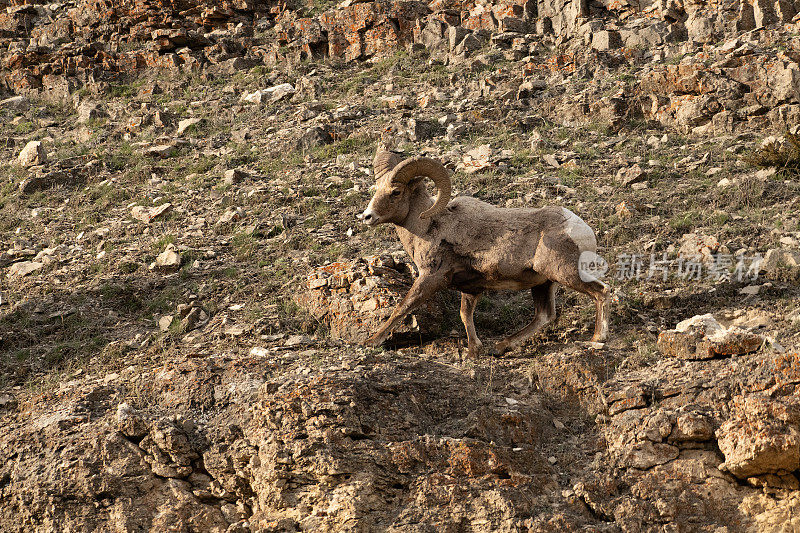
(354,298)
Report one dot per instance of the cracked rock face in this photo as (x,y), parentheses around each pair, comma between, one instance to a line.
(377,445)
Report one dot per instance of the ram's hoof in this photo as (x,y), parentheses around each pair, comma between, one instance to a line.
(473,354)
(493,351)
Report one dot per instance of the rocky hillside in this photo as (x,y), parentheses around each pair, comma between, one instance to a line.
(184,283)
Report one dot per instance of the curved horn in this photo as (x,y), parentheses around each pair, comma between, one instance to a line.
(384,162)
(430,168)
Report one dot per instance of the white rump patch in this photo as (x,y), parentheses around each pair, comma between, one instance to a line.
(591,267)
(579,231)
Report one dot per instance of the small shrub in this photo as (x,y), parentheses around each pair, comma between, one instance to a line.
(785,158)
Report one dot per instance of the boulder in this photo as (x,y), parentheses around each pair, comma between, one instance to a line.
(89,111)
(167,261)
(702,337)
(270,94)
(606,40)
(354,298)
(23,268)
(761,437)
(17,103)
(33,154)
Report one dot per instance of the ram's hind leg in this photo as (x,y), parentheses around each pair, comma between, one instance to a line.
(468,303)
(559,261)
(544,302)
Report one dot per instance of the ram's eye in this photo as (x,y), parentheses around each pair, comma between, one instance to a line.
(396,192)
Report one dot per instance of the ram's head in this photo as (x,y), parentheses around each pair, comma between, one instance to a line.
(395,182)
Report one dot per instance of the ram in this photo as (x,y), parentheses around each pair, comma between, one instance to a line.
(473,246)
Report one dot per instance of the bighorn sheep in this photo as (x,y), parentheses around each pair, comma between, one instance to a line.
(473,246)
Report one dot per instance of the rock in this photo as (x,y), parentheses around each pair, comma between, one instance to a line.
(750,290)
(147,215)
(167,261)
(40,182)
(195,317)
(702,337)
(90,111)
(32,154)
(469,44)
(234,175)
(696,247)
(131,422)
(422,130)
(691,427)
(630,175)
(529,87)
(23,268)
(785,83)
(761,437)
(624,210)
(270,94)
(477,159)
(165,322)
(314,138)
(17,103)
(7,402)
(456,34)
(356,297)
(161,150)
(232,214)
(646,454)
(776,258)
(185,124)
(606,40)
(397,102)
(551,160)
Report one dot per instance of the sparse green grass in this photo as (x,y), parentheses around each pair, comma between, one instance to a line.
(683,222)
(159,244)
(361,144)
(24,127)
(244,245)
(121,91)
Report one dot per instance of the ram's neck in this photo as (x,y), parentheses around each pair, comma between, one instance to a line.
(413,229)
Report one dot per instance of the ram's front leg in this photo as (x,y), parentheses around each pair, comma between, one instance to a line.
(423,288)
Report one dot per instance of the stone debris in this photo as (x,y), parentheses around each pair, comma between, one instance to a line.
(32,154)
(167,261)
(148,214)
(23,268)
(270,94)
(702,337)
(185,124)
